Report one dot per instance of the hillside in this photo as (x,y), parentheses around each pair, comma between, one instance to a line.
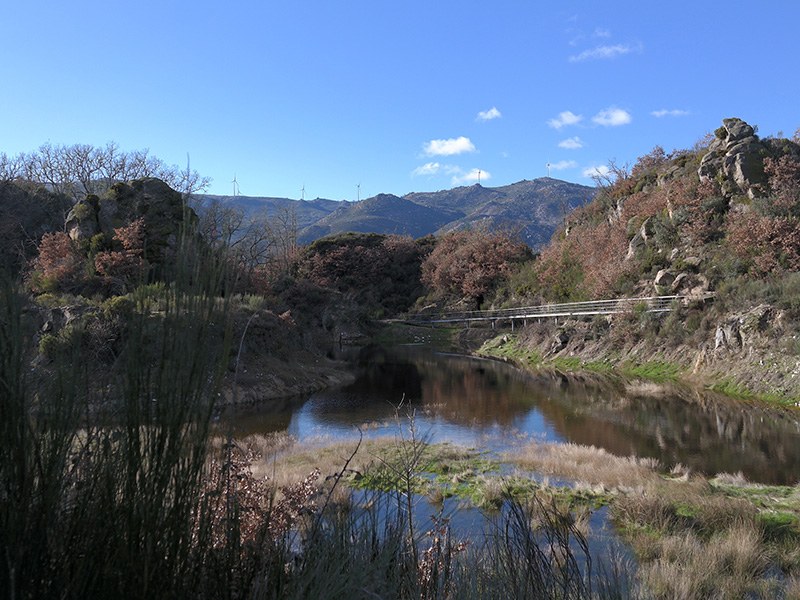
(722,218)
(535,208)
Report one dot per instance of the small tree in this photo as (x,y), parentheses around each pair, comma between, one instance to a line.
(59,265)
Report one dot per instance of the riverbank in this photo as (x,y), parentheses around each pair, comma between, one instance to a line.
(758,372)
(266,379)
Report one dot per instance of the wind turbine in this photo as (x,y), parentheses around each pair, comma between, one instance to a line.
(359,192)
(548,168)
(303,192)
(235,186)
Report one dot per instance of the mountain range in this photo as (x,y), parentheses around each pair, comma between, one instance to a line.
(533,208)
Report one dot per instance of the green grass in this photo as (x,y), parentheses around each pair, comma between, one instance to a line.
(729,387)
(654,370)
(507,347)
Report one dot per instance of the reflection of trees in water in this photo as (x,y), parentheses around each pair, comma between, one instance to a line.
(477,394)
(702,430)
(705,431)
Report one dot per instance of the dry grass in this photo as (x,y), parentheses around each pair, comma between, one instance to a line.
(281,460)
(694,538)
(729,565)
(587,464)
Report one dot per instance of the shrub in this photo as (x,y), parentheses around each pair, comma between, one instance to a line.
(127,264)
(382,272)
(119,307)
(59,266)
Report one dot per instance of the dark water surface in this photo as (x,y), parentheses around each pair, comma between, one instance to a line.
(492,405)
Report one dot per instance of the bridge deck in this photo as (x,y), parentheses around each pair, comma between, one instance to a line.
(569,309)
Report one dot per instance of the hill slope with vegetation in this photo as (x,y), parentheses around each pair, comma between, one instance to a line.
(719,220)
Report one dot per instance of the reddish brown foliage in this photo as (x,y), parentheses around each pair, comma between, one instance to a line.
(471,263)
(378,270)
(59,264)
(652,160)
(771,243)
(602,253)
(127,263)
(784,180)
(233,488)
(643,205)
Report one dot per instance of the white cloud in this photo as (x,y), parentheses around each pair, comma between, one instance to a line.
(564,118)
(572,143)
(612,117)
(488,115)
(430,168)
(598,32)
(606,52)
(601,171)
(563,164)
(448,147)
(670,113)
(465,177)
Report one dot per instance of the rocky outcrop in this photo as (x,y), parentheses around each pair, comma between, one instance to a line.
(162,208)
(640,238)
(663,281)
(736,160)
(742,329)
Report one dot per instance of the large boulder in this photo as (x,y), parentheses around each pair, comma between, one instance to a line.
(163,209)
(736,159)
(82,219)
(664,280)
(743,329)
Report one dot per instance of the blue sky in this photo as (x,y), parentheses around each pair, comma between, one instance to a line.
(397,96)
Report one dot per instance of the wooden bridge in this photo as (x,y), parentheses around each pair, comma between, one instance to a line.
(565,310)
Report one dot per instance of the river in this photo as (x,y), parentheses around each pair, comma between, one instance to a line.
(492,405)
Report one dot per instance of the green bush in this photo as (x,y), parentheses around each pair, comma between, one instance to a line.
(83,211)
(48,345)
(63,342)
(119,307)
(99,243)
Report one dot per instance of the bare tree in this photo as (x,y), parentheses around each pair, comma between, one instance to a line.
(10,167)
(83,169)
(266,242)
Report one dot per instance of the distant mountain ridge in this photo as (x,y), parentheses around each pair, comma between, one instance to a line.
(535,208)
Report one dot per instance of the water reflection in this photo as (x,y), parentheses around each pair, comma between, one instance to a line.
(486,403)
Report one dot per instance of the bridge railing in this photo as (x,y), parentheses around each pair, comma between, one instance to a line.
(568,309)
